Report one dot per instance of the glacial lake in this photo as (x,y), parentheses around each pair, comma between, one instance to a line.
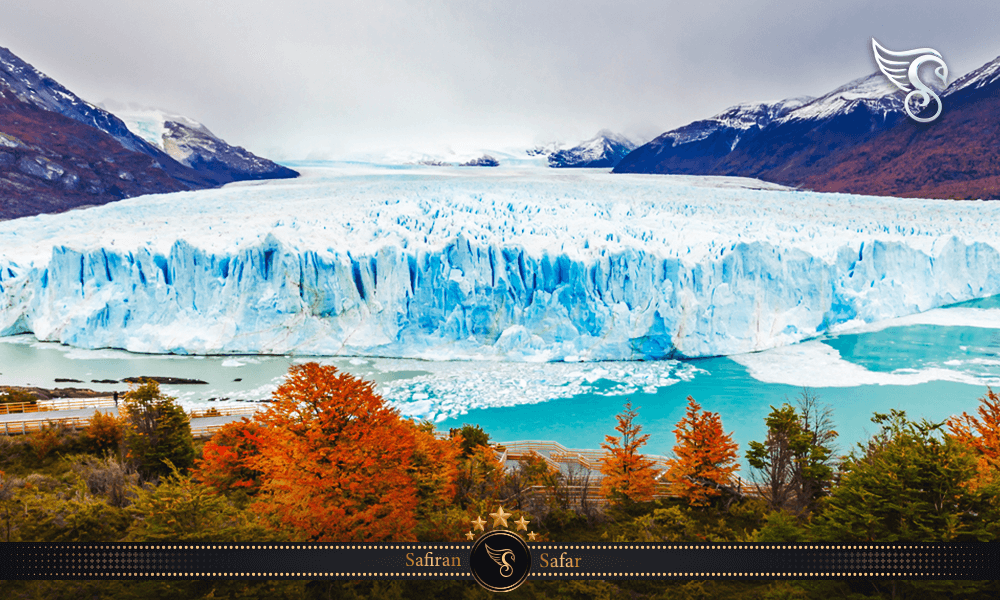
(932,366)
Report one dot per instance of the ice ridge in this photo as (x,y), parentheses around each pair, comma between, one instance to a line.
(594,267)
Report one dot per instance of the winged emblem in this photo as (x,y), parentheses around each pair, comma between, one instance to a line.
(903,70)
(500,558)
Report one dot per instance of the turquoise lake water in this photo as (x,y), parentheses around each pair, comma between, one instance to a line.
(931,369)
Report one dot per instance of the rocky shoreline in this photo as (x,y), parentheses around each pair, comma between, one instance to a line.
(40,393)
(48,394)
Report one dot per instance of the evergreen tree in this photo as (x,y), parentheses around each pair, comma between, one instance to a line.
(471,436)
(182,510)
(907,484)
(793,467)
(156,431)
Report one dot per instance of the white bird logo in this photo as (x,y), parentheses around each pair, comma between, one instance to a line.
(500,558)
(902,69)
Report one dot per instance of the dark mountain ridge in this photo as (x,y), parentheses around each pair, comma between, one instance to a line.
(58,151)
(855,139)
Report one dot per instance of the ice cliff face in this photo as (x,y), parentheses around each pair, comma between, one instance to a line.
(531,264)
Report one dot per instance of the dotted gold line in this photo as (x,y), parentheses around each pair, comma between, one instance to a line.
(551,575)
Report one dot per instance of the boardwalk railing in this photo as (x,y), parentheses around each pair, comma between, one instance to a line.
(206,431)
(26,426)
(56,404)
(78,423)
(33,425)
(576,495)
(555,454)
(225,411)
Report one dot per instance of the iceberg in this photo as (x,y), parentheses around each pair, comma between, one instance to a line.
(516,264)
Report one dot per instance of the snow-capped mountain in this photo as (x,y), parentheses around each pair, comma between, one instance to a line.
(31,86)
(483,161)
(58,151)
(735,122)
(855,139)
(985,76)
(956,156)
(874,94)
(755,140)
(192,144)
(544,149)
(606,149)
(147,122)
(510,264)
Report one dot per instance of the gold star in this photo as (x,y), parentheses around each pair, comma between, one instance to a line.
(479,522)
(531,536)
(470,535)
(500,517)
(522,523)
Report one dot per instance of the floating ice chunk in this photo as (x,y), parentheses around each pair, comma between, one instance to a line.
(815,364)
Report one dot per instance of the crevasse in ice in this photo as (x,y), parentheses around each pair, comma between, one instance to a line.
(518,264)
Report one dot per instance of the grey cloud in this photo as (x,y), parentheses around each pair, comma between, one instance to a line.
(298,76)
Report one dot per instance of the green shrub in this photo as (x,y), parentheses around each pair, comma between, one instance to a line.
(156,431)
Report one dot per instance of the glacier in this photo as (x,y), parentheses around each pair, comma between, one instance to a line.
(519,263)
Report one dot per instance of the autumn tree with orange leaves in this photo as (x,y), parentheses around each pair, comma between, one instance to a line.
(335,460)
(982,435)
(225,459)
(628,474)
(706,456)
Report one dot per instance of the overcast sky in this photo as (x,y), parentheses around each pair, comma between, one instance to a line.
(299,77)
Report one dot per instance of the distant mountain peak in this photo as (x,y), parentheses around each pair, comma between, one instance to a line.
(856,139)
(58,151)
(149,122)
(874,90)
(734,122)
(31,86)
(606,149)
(192,144)
(755,138)
(980,78)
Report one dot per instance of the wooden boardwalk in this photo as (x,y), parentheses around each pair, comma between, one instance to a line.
(204,422)
(561,458)
(56,404)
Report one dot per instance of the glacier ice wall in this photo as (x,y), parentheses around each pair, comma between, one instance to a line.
(515,265)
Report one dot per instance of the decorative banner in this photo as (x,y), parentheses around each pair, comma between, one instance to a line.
(490,556)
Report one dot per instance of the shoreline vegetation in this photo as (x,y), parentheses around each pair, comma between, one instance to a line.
(41,393)
(329,442)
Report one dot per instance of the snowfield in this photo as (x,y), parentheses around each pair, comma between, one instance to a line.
(513,263)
